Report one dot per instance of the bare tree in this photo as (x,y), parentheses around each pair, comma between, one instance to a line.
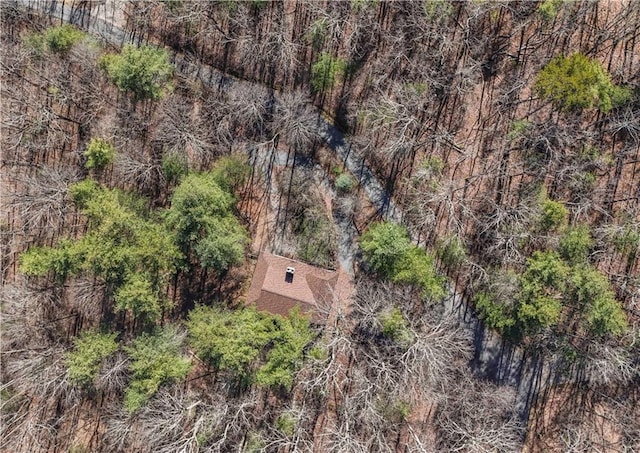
(138,169)
(26,317)
(478,416)
(248,110)
(182,130)
(608,364)
(113,374)
(296,121)
(36,375)
(42,202)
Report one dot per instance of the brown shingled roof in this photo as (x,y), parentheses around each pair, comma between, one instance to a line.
(311,288)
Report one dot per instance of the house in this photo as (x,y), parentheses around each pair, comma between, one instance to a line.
(279,284)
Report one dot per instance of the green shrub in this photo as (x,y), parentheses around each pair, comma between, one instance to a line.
(538,310)
(548,9)
(201,215)
(576,82)
(155,360)
(417,268)
(591,289)
(393,411)
(384,245)
(231,172)
(59,39)
(286,423)
(553,216)
(174,167)
(99,154)
(546,269)
(326,71)
(432,165)
(36,44)
(518,128)
(120,241)
(625,240)
(137,296)
(605,316)
(289,340)
(495,315)
(62,38)
(316,34)
(233,341)
(63,260)
(542,284)
(438,9)
(144,71)
(229,340)
(395,327)
(84,191)
(254,443)
(575,244)
(387,250)
(345,183)
(91,348)
(318,353)
(452,251)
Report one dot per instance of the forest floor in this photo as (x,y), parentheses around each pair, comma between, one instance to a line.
(526,374)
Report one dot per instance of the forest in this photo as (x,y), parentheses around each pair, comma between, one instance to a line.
(465,174)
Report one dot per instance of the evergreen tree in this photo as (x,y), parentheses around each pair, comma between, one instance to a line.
(91,348)
(201,214)
(591,291)
(144,71)
(229,340)
(99,154)
(233,341)
(384,246)
(542,284)
(326,71)
(576,82)
(290,337)
(155,359)
(387,250)
(575,244)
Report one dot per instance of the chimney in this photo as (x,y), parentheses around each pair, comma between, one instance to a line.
(289,275)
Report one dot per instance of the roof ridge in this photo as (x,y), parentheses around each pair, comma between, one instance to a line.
(298,261)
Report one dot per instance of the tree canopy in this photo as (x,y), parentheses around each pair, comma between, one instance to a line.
(384,246)
(155,359)
(591,291)
(122,247)
(541,288)
(90,349)
(99,154)
(575,244)
(201,215)
(577,82)
(388,251)
(395,327)
(551,282)
(233,341)
(144,71)
(326,71)
(289,338)
(553,216)
(59,39)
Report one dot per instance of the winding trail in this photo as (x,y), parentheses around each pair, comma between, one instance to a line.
(494,358)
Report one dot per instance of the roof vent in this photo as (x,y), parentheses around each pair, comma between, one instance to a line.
(289,275)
